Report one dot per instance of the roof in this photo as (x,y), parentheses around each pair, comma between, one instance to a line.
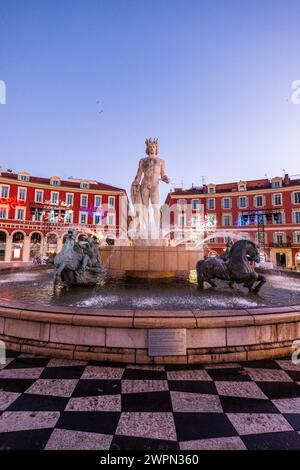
(258,184)
(97,185)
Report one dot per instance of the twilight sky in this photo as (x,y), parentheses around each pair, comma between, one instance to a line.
(88,80)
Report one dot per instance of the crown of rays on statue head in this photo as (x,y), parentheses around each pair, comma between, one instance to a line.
(149,143)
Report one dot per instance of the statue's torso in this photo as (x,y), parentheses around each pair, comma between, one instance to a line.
(152,171)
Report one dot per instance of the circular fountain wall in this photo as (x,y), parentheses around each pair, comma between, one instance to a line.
(111,321)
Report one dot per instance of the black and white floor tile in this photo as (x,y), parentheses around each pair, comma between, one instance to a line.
(61,404)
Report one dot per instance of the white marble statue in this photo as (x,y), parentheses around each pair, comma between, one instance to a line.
(145,189)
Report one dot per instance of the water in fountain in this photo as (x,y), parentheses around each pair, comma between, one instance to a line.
(36,287)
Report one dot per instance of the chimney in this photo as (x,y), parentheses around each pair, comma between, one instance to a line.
(286,179)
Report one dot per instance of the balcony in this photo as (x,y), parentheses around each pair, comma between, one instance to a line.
(57,226)
(280,245)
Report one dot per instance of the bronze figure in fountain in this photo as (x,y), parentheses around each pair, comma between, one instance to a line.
(236,267)
(78,263)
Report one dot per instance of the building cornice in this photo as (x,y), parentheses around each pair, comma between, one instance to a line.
(255,192)
(69,189)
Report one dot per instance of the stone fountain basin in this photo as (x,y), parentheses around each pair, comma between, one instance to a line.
(122,335)
(149,261)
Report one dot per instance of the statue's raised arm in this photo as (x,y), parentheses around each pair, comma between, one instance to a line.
(164,176)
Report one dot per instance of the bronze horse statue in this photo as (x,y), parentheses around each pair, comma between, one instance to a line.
(237,266)
(74,258)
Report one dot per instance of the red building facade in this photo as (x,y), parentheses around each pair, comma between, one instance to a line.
(265,211)
(36,213)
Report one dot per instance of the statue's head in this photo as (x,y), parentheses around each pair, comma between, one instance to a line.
(71,233)
(151,146)
(250,249)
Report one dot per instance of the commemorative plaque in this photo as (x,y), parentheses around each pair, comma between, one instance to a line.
(167,342)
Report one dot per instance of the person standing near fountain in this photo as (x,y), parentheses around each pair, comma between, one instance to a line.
(145,189)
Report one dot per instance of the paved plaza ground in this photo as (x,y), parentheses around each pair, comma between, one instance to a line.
(60,404)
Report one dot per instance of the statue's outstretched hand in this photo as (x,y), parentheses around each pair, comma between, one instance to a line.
(165,179)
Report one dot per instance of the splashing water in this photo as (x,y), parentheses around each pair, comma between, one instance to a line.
(37,288)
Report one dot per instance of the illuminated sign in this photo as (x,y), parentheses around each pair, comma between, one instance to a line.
(13,202)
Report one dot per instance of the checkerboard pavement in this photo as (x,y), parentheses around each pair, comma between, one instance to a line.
(61,404)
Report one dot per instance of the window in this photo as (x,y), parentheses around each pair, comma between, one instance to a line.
(277,183)
(226,203)
(211,220)
(83,218)
(297,198)
(3,213)
(296,217)
(23,176)
(37,216)
(83,200)
(20,213)
(181,204)
(278,218)
(242,186)
(210,203)
(195,204)
(180,235)
(227,220)
(53,216)
(279,238)
(259,201)
(97,219)
(55,181)
(22,194)
(195,221)
(244,219)
(277,199)
(68,217)
(245,236)
(54,198)
(261,238)
(211,188)
(111,202)
(243,202)
(98,201)
(69,199)
(297,237)
(181,221)
(84,185)
(212,240)
(4,192)
(227,240)
(38,196)
(111,219)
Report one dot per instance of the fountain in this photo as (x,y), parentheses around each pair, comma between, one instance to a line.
(148,255)
(145,306)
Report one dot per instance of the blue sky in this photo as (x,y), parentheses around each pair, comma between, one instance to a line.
(88,80)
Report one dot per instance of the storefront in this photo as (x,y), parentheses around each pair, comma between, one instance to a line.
(51,244)
(297,261)
(35,245)
(2,245)
(17,246)
(281,257)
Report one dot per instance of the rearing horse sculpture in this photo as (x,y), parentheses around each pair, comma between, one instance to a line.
(71,262)
(238,267)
